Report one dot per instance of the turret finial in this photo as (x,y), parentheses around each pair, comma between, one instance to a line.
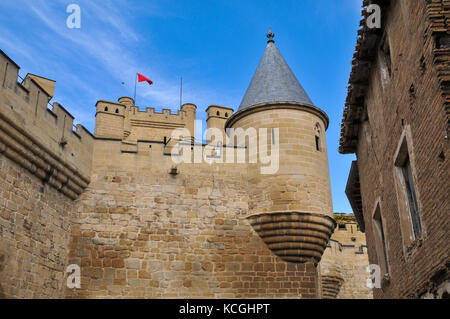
(270,36)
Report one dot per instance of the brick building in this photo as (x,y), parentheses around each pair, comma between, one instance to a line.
(396,121)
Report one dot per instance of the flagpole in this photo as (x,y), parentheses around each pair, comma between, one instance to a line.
(181,92)
(135,84)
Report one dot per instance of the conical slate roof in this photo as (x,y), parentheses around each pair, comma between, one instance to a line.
(273,81)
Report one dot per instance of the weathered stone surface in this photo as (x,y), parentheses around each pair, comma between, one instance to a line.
(404,102)
(140,225)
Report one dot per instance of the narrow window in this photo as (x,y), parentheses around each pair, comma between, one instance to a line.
(117,111)
(165,140)
(412,200)
(273,136)
(407,193)
(381,240)
(218,113)
(226,114)
(385,61)
(318,133)
(106,109)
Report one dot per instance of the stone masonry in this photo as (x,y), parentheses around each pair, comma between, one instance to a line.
(141,225)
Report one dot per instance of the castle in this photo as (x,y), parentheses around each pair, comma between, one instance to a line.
(140,225)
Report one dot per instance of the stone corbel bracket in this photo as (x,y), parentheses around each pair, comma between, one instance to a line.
(331,286)
(23,149)
(293,236)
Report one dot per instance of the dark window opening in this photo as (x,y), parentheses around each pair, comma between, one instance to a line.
(106,109)
(442,41)
(318,133)
(378,221)
(412,199)
(226,114)
(117,111)
(218,113)
(165,140)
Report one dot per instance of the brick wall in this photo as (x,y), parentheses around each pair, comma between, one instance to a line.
(412,99)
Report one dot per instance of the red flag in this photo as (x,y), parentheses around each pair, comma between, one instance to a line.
(142,78)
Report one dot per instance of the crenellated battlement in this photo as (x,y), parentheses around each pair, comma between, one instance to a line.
(41,139)
(126,121)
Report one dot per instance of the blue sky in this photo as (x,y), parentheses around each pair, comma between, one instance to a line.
(215,45)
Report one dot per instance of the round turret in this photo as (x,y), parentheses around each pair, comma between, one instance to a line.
(291,209)
(129,103)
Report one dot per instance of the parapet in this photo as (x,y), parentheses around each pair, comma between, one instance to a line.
(40,139)
(123,120)
(216,117)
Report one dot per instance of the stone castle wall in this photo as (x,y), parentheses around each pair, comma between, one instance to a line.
(138,224)
(44,166)
(343,268)
(142,232)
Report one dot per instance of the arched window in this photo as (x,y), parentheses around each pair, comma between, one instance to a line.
(318,137)
(117,111)
(106,109)
(226,114)
(218,113)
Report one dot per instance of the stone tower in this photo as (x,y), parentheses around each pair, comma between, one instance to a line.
(291,210)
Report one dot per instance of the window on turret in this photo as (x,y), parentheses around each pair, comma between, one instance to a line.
(317,143)
(218,113)
(106,109)
(318,133)
(117,111)
(226,114)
